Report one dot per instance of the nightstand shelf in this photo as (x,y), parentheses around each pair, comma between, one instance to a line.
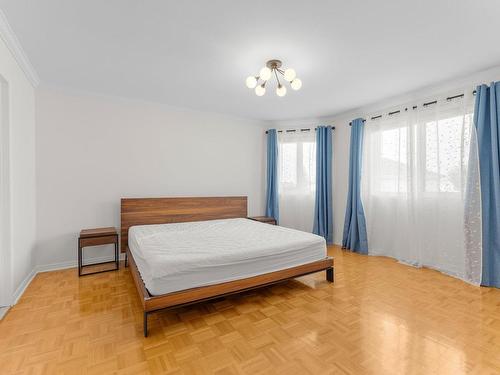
(97,237)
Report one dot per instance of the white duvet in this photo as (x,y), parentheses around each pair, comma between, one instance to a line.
(173,257)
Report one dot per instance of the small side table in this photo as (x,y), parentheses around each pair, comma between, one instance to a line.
(264,219)
(95,237)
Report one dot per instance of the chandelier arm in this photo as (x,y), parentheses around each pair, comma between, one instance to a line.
(277,79)
(275,66)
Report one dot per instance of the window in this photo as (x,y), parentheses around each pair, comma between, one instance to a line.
(427,149)
(447,142)
(413,183)
(297,165)
(297,179)
(288,170)
(394,160)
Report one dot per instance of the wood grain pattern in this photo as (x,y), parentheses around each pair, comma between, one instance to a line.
(380,317)
(96,232)
(139,284)
(144,211)
(101,240)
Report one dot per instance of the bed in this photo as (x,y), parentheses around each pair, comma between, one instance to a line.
(187,250)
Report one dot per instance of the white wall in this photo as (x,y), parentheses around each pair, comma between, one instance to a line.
(93,150)
(21,128)
(342,131)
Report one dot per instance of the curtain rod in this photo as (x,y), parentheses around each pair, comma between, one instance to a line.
(416,106)
(301,130)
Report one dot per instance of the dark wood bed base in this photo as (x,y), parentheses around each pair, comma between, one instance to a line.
(143,211)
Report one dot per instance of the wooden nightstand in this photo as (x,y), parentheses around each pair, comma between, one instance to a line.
(264,219)
(95,237)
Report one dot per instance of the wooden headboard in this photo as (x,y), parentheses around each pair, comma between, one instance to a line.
(144,211)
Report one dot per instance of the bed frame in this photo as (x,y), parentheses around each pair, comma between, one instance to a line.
(143,211)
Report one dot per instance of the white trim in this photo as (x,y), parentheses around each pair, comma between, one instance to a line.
(5,197)
(74,263)
(56,266)
(47,268)
(22,287)
(3,311)
(12,43)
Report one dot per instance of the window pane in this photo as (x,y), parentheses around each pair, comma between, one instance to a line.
(446,145)
(289,164)
(309,165)
(393,160)
(431,157)
(297,171)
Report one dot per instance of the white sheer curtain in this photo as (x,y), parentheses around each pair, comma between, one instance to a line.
(297,179)
(413,185)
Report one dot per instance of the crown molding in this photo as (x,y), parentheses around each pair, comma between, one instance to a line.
(12,43)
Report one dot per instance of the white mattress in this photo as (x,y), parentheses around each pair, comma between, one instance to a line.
(173,257)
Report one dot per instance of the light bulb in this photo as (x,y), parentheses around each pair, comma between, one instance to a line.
(296,84)
(290,75)
(251,82)
(260,90)
(281,90)
(265,73)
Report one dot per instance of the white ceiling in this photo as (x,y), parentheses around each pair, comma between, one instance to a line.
(197,54)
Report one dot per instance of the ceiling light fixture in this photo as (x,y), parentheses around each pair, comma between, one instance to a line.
(273,67)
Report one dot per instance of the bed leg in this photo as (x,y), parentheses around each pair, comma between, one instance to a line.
(126,259)
(330,274)
(145,324)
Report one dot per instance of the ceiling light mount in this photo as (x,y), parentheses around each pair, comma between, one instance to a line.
(273,67)
(274,64)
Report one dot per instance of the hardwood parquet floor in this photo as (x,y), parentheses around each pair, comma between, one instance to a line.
(379,317)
